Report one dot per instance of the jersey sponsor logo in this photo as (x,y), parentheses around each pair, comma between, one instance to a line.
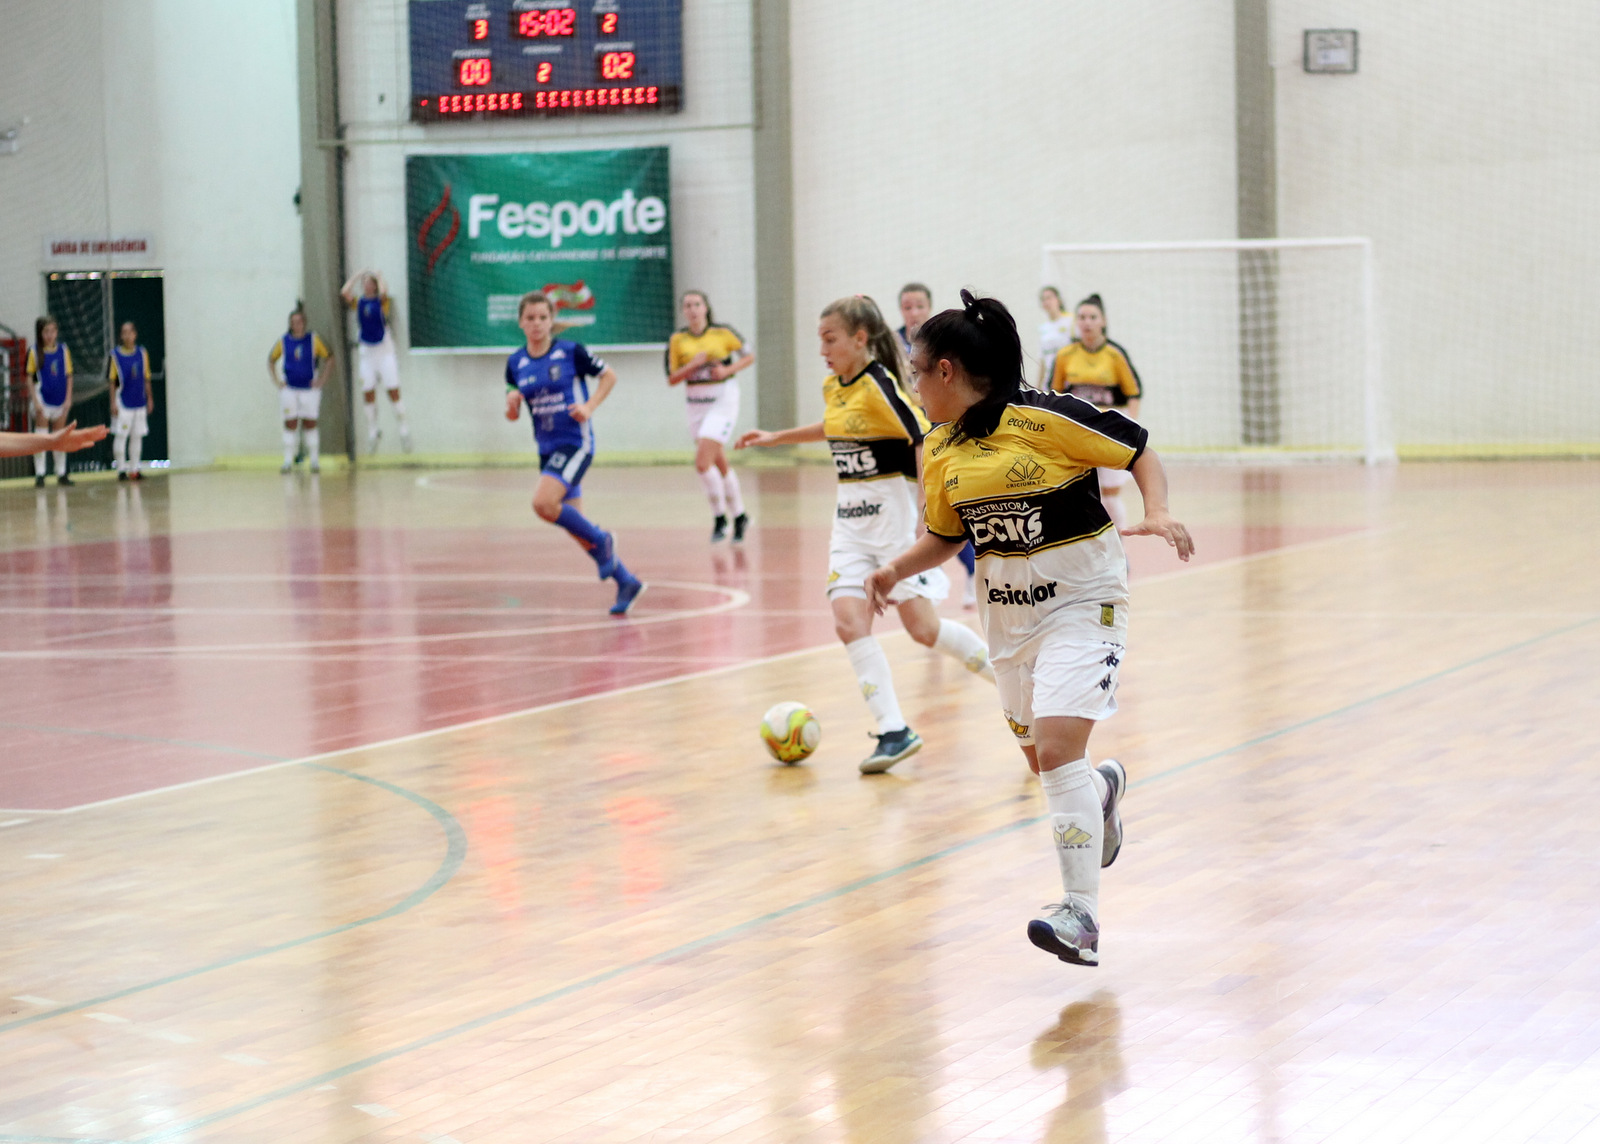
(953,481)
(854,462)
(1022,421)
(1025,596)
(1024,471)
(1005,524)
(857,511)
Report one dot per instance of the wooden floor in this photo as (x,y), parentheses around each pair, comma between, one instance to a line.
(309,846)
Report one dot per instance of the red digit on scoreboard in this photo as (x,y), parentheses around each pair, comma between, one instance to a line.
(546,69)
(480,29)
(608,23)
(474,72)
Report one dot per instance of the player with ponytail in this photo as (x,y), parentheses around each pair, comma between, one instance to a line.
(873,430)
(1013,471)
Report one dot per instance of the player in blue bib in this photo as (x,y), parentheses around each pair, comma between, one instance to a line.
(376,361)
(304,361)
(551,377)
(50,368)
(132,404)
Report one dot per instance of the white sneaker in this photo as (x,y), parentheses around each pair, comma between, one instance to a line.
(1068,930)
(372,440)
(405,439)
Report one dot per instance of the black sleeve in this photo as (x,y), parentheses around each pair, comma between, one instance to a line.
(891,394)
(1106,422)
(1138,382)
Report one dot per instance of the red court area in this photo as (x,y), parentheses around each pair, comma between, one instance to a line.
(145,662)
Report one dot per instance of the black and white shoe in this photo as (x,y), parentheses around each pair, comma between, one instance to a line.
(740,523)
(1068,930)
(1116,786)
(892,747)
(38,482)
(719,529)
(65,480)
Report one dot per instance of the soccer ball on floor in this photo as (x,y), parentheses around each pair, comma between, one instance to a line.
(790,731)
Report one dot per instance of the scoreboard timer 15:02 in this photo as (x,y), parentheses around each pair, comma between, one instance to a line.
(510,58)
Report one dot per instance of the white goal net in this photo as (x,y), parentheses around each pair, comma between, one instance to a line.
(1248,349)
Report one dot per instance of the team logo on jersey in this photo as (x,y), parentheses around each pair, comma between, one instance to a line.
(555,373)
(855,423)
(1014,524)
(1026,596)
(1070,837)
(1024,471)
(1108,617)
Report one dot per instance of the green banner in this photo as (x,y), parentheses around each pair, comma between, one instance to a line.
(590,228)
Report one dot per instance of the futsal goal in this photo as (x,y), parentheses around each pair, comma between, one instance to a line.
(1250,349)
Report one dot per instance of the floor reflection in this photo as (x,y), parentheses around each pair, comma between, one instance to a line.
(1086,1041)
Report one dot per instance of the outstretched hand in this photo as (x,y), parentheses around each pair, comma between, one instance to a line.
(753,437)
(70,438)
(1161,524)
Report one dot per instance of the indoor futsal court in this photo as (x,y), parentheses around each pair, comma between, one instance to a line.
(532,533)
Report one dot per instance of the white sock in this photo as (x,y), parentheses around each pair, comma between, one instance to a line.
(1115,509)
(712,482)
(38,458)
(289,443)
(119,452)
(966,646)
(877,685)
(371,408)
(730,483)
(135,450)
(61,464)
(1076,824)
(314,445)
(399,412)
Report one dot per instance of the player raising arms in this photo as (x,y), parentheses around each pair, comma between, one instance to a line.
(375,355)
(50,370)
(704,357)
(1013,470)
(552,376)
(1098,370)
(874,431)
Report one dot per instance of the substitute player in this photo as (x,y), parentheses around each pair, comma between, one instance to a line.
(50,392)
(376,362)
(551,376)
(704,358)
(298,364)
(1012,470)
(1098,370)
(132,402)
(1055,333)
(874,430)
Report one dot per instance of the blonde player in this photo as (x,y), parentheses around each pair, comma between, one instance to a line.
(1055,333)
(50,392)
(1098,370)
(873,431)
(1012,470)
(132,402)
(298,364)
(376,362)
(704,358)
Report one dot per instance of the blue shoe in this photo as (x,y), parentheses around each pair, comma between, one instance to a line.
(629,589)
(605,556)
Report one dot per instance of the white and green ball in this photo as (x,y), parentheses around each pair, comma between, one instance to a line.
(790,731)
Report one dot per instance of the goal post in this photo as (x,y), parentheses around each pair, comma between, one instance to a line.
(1248,349)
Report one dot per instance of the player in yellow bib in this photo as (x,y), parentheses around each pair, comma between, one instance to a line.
(704,358)
(1098,370)
(874,430)
(1013,471)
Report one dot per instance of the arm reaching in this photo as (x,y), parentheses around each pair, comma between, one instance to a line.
(761,438)
(1151,477)
(929,551)
(67,440)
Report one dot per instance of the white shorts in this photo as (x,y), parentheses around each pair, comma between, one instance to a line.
(1114,478)
(848,572)
(300,403)
(713,411)
(131,421)
(1071,677)
(44,414)
(377,364)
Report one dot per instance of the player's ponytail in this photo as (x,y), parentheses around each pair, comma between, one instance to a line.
(859,312)
(982,336)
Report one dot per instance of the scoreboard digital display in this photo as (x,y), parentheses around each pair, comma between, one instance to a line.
(511,58)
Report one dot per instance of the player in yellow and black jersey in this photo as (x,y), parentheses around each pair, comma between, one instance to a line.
(873,430)
(704,358)
(1013,471)
(1098,370)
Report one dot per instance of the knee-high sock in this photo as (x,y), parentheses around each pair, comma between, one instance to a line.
(583,530)
(1076,824)
(877,684)
(38,458)
(966,646)
(371,409)
(1116,509)
(289,443)
(711,480)
(135,450)
(969,558)
(61,464)
(399,410)
(119,452)
(730,484)
(314,446)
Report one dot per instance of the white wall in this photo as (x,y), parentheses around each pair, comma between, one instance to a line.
(454,400)
(192,107)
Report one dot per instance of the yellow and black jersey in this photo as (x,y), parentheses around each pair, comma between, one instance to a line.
(1103,377)
(722,345)
(872,426)
(1028,499)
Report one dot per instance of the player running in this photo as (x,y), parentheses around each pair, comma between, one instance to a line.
(551,376)
(1012,470)
(1098,370)
(873,431)
(50,392)
(376,361)
(132,402)
(704,357)
(305,364)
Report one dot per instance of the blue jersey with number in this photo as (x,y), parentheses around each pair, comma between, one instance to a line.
(133,371)
(371,320)
(549,384)
(50,369)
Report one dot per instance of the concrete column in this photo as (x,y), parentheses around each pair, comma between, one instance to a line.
(774,202)
(1255,135)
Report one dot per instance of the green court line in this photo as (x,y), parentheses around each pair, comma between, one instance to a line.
(455,853)
(821,898)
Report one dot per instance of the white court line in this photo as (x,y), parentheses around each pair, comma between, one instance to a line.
(631,689)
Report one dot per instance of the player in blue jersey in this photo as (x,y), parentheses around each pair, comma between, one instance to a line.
(305,362)
(376,362)
(551,376)
(132,402)
(50,371)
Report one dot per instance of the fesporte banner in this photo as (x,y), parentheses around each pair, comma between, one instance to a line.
(591,228)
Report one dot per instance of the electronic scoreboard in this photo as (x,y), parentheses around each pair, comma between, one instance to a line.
(512,58)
